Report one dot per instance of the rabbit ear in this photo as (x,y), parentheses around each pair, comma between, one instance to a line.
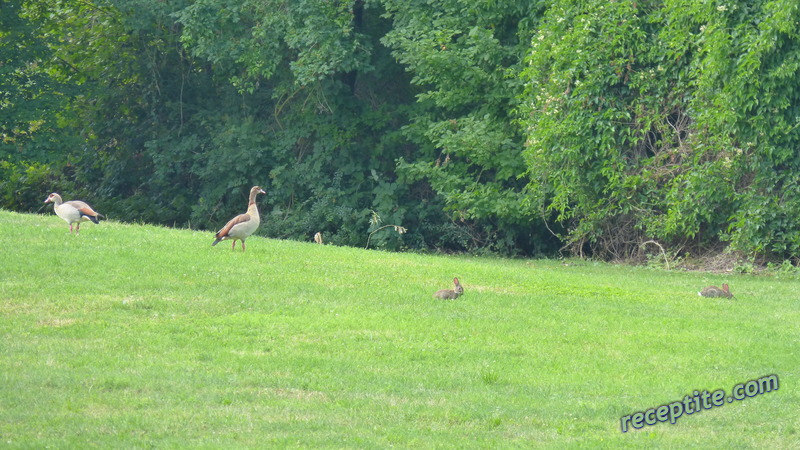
(455,280)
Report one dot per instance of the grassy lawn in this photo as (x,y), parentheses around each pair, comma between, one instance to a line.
(132,335)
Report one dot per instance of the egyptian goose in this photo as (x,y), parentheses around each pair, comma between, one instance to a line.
(73,211)
(713,291)
(243,225)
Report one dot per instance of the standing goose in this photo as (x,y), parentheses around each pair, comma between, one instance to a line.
(73,211)
(243,225)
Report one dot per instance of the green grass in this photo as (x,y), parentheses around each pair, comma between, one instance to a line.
(132,335)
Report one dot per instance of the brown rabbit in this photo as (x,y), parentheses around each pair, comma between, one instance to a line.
(450,293)
(713,291)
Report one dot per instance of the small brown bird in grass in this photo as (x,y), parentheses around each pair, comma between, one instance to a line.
(713,291)
(73,211)
(242,226)
(450,293)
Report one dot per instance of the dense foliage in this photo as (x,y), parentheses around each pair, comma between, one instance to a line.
(668,120)
(474,125)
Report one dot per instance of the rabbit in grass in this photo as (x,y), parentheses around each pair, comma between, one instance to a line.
(450,293)
(713,291)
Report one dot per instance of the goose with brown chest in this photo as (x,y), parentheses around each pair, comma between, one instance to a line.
(73,211)
(242,226)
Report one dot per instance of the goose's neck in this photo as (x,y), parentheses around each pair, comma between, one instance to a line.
(252,209)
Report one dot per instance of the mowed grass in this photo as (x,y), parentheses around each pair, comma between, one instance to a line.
(130,335)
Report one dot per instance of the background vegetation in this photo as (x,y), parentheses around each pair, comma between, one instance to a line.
(515,127)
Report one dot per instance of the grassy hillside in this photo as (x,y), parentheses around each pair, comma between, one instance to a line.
(138,335)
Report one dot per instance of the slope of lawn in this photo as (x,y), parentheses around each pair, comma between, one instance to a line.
(131,335)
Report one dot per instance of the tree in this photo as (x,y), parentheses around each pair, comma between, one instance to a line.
(317,122)
(29,138)
(464,57)
(667,121)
